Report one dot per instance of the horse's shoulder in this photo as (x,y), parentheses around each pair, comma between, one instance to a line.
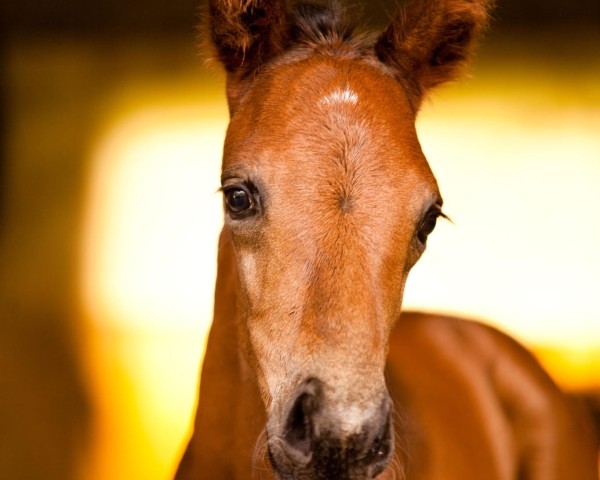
(445,355)
(512,370)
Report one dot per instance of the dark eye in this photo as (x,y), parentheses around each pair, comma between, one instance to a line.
(238,201)
(428,224)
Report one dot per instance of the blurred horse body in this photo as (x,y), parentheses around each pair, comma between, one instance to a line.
(329,202)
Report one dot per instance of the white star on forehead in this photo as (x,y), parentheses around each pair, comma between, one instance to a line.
(340,96)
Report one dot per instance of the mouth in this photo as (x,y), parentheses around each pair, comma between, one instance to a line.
(357,457)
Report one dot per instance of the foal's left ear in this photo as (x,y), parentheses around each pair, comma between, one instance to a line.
(430,42)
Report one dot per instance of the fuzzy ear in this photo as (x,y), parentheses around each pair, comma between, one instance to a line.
(430,41)
(246,33)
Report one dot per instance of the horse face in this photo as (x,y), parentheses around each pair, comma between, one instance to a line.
(328,202)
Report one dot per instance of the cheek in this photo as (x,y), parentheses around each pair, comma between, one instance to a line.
(395,274)
(248,272)
(398,304)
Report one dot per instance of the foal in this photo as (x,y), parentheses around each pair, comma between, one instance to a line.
(329,202)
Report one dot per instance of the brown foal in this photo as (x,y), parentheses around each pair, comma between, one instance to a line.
(311,372)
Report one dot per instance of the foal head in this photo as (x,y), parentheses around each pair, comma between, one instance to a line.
(329,202)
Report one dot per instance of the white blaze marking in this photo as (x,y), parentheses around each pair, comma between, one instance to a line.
(340,96)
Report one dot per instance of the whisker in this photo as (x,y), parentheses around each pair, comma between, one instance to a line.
(398,471)
(259,455)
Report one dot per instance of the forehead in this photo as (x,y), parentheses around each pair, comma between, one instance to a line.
(325,117)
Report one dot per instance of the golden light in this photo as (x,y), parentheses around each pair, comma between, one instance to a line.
(520,180)
(148,268)
(154,212)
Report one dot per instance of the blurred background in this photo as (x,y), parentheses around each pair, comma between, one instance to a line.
(111,131)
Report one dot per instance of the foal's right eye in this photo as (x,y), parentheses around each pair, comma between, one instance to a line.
(239,201)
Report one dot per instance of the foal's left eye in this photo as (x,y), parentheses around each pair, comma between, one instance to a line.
(238,201)
(428,224)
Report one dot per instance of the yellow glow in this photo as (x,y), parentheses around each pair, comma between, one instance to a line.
(520,182)
(151,237)
(148,268)
(573,368)
(145,389)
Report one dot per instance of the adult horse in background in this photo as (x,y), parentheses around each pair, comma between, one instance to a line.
(329,202)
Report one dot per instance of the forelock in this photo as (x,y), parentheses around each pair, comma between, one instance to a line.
(326,26)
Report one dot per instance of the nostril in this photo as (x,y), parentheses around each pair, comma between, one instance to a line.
(299,425)
(298,428)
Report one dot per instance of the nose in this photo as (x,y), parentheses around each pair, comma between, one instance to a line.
(314,445)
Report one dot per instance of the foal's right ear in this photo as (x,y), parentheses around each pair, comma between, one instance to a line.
(247,33)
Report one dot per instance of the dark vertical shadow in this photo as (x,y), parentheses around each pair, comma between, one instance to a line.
(44,406)
(3,92)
